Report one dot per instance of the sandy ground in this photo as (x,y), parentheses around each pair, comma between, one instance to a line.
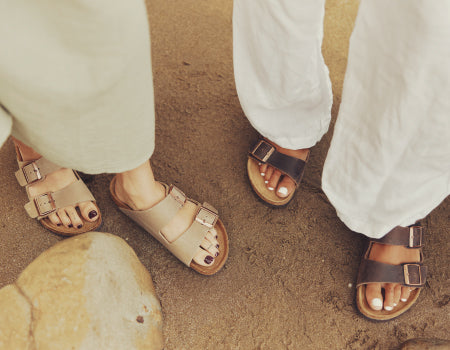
(289,281)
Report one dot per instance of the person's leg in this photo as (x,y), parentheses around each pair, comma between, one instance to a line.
(281,78)
(388,161)
(78,84)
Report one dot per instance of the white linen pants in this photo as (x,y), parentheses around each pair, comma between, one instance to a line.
(389,160)
(76,79)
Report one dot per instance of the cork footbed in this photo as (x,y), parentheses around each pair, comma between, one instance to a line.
(383,315)
(260,187)
(222,239)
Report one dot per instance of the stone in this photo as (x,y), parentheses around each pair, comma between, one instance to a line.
(426,344)
(88,292)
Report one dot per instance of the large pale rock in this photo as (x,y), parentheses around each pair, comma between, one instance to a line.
(87,292)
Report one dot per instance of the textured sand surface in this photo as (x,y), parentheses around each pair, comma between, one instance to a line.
(289,281)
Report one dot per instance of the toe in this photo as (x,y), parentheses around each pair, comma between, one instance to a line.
(54,219)
(389,296)
(203,258)
(74,217)
(263,169)
(404,296)
(397,294)
(89,211)
(65,220)
(267,177)
(274,179)
(211,248)
(212,235)
(285,187)
(373,296)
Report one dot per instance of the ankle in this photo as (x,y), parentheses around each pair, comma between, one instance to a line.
(139,193)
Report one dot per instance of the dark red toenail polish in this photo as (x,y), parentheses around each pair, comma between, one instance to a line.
(92,214)
(80,226)
(209,259)
(217,254)
(217,236)
(70,225)
(58,224)
(217,246)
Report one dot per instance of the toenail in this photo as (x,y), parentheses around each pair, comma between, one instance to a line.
(283,191)
(92,214)
(259,164)
(403,299)
(217,254)
(79,226)
(388,308)
(217,236)
(217,246)
(395,304)
(270,188)
(70,225)
(59,224)
(377,303)
(266,182)
(263,174)
(209,259)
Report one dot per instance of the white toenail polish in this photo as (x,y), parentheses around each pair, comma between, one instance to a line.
(260,164)
(283,191)
(403,299)
(395,304)
(266,182)
(377,303)
(270,188)
(263,174)
(388,308)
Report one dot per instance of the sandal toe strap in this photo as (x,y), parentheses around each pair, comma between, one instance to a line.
(43,205)
(30,172)
(409,236)
(408,274)
(293,167)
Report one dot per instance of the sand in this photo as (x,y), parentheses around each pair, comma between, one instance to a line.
(290,279)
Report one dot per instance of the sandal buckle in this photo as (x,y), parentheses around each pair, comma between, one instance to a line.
(45,204)
(206,217)
(415,236)
(31,173)
(262,151)
(178,195)
(410,271)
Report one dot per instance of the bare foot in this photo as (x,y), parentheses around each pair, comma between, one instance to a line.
(393,292)
(273,178)
(139,190)
(53,182)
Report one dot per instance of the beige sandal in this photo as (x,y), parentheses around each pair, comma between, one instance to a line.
(187,245)
(413,274)
(40,207)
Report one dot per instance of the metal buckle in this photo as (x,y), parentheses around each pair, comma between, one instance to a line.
(45,204)
(263,151)
(31,173)
(406,269)
(412,236)
(206,217)
(178,195)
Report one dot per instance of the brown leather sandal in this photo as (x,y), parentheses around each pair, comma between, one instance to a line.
(264,152)
(42,206)
(407,274)
(186,246)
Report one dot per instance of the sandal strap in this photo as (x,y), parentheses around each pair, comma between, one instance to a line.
(43,205)
(154,219)
(30,172)
(293,167)
(410,237)
(408,274)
